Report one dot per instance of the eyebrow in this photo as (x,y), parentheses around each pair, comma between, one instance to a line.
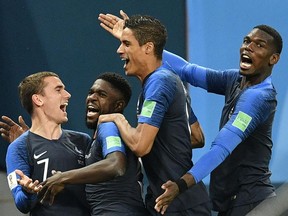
(256,39)
(60,86)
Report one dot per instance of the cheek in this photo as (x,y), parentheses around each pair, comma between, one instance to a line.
(262,60)
(138,59)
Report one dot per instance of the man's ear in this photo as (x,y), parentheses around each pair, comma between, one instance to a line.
(149,47)
(274,58)
(119,106)
(37,99)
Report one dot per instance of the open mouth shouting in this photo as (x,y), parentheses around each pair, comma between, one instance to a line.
(92,111)
(64,106)
(126,61)
(245,62)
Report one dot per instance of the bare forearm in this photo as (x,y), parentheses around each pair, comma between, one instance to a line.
(98,172)
(131,136)
(85,176)
(139,140)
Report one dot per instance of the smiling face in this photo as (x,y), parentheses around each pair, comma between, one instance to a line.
(132,53)
(257,55)
(101,99)
(53,100)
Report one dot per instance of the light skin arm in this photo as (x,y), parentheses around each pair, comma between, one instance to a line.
(10,130)
(140,139)
(112,166)
(27,183)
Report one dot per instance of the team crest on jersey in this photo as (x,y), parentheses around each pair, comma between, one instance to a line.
(148,108)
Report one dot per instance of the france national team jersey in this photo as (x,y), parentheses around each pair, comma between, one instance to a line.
(241,152)
(164,106)
(249,114)
(122,195)
(37,157)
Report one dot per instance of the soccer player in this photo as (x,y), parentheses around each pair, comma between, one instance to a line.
(240,154)
(113,175)
(162,137)
(46,146)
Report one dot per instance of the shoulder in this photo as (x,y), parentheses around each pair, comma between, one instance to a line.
(77,137)
(165,74)
(228,73)
(107,129)
(260,92)
(107,125)
(20,142)
(162,78)
(76,133)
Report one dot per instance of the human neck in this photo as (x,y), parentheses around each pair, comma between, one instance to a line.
(47,129)
(247,82)
(150,69)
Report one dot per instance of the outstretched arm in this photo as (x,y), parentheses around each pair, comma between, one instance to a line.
(203,166)
(255,109)
(112,166)
(10,130)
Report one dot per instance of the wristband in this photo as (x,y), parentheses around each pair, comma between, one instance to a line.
(181,185)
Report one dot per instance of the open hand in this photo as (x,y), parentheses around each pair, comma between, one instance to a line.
(27,183)
(112,23)
(164,200)
(10,130)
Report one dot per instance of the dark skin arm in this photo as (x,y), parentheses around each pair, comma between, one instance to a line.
(197,135)
(10,130)
(112,166)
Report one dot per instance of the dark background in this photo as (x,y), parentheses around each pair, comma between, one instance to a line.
(65,37)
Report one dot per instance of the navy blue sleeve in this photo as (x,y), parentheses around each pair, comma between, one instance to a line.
(191,73)
(109,137)
(158,94)
(252,109)
(217,81)
(221,147)
(17,158)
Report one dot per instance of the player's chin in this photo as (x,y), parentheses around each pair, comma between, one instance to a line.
(91,124)
(65,120)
